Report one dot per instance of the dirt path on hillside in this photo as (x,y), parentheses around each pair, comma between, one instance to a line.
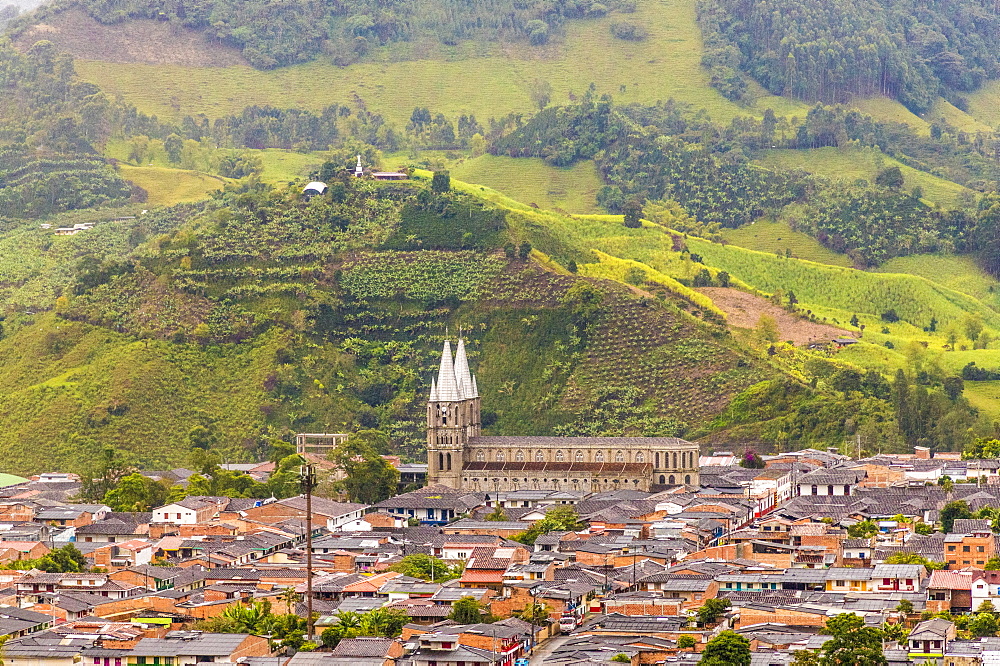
(136,41)
(744,310)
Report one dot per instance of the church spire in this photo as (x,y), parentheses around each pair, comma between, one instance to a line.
(462,374)
(434,392)
(447,384)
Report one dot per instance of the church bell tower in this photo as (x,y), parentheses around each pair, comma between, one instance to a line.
(453,417)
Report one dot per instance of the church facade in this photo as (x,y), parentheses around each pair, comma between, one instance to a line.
(459,456)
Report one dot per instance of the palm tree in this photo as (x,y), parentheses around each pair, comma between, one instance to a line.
(289,596)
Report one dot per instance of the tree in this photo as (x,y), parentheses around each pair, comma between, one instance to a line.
(727,649)
(173,145)
(712,610)
(369,477)
(891,177)
(723,278)
(540,92)
(621,658)
(136,492)
(559,518)
(427,567)
(986,607)
(953,511)
(984,624)
(905,606)
(953,387)
(993,564)
(852,643)
(805,658)
(290,597)
(441,182)
(686,642)
(632,210)
(767,329)
(854,320)
(496,515)
(973,324)
(523,250)
(864,529)
(752,460)
(466,611)
(909,557)
(537,613)
(380,622)
(111,467)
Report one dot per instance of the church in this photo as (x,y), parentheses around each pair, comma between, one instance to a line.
(459,456)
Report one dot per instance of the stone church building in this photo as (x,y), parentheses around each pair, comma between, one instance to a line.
(459,456)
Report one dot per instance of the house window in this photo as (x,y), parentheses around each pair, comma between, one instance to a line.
(980,549)
(639,457)
(966,549)
(480,456)
(672,481)
(815,491)
(840,583)
(141,661)
(951,549)
(499,456)
(559,456)
(619,457)
(599,456)
(579,456)
(519,456)
(539,456)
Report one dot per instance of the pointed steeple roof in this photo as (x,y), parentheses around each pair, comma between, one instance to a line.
(447,384)
(475,387)
(434,392)
(462,374)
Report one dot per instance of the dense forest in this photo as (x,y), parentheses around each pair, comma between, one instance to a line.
(273,34)
(835,50)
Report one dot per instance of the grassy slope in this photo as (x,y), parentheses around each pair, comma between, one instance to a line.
(943,110)
(774,237)
(984,104)
(167,187)
(960,273)
(531,180)
(667,64)
(854,163)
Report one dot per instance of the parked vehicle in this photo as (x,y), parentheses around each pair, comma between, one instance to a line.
(568,623)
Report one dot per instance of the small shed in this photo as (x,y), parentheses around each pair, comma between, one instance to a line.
(314,189)
(844,342)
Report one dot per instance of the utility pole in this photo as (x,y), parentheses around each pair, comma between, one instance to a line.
(307,476)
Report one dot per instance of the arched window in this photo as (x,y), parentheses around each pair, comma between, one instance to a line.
(599,456)
(519,456)
(480,456)
(687,478)
(579,456)
(559,456)
(449,462)
(672,481)
(500,456)
(539,456)
(674,458)
(657,459)
(663,479)
(619,457)
(441,461)
(639,457)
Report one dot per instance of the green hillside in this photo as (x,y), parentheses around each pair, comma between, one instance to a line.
(666,64)
(261,315)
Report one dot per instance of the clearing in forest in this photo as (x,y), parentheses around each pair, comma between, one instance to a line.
(744,310)
(137,41)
